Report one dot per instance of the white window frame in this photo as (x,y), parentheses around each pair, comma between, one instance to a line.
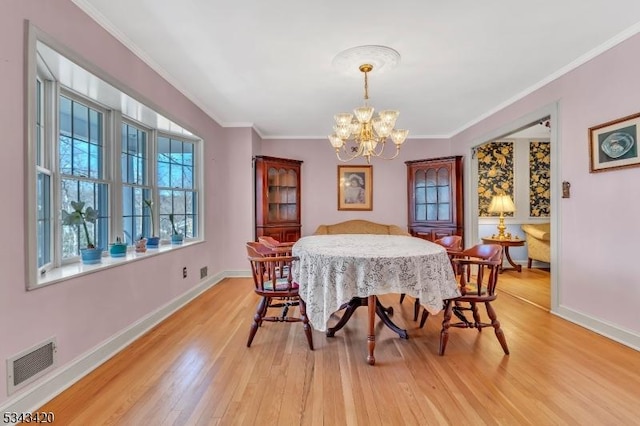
(150,120)
(149,178)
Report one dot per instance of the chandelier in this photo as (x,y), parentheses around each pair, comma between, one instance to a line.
(365,135)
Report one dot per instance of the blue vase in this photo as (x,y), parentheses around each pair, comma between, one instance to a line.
(153,242)
(91,256)
(118,250)
(176,239)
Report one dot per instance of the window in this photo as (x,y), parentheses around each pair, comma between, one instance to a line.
(108,150)
(134,168)
(43,181)
(176,187)
(81,169)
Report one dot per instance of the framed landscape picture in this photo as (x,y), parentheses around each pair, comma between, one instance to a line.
(614,145)
(355,188)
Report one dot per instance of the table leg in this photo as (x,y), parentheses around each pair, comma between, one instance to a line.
(511,262)
(382,313)
(351,306)
(371,338)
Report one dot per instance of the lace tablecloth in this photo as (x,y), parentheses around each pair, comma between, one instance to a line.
(335,268)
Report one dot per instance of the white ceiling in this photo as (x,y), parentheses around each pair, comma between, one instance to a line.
(267,64)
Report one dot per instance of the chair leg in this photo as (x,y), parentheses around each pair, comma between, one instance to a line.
(476,316)
(402,297)
(425,315)
(444,333)
(529,263)
(496,326)
(305,323)
(416,309)
(257,318)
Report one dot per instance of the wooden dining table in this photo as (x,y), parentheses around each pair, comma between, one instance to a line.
(332,270)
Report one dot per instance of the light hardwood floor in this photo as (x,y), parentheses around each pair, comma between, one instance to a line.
(531,285)
(194,368)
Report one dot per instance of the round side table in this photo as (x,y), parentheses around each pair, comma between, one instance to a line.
(505,250)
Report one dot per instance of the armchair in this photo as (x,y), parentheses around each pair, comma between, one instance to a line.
(538,242)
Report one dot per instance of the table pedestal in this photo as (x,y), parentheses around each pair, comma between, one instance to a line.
(375,307)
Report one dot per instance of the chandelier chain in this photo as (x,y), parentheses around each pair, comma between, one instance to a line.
(366,87)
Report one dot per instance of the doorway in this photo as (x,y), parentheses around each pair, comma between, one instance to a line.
(537,285)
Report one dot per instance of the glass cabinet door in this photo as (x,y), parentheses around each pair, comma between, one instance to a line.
(282,189)
(432,192)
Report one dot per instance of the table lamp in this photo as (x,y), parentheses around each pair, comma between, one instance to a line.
(501,204)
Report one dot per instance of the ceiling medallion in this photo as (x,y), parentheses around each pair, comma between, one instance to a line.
(382,58)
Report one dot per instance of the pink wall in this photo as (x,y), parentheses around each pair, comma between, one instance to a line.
(84,312)
(598,224)
(598,228)
(238,227)
(320,172)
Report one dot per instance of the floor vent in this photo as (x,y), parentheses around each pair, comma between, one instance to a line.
(29,365)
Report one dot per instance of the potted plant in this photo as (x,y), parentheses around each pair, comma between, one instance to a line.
(153,241)
(176,237)
(141,244)
(118,249)
(80,216)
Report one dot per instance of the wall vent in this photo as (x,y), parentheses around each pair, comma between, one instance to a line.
(29,365)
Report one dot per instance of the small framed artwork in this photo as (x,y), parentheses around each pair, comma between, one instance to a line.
(355,188)
(614,145)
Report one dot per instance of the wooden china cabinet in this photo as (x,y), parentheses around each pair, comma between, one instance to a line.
(435,197)
(277,198)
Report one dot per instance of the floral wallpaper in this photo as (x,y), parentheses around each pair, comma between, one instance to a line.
(495,173)
(539,179)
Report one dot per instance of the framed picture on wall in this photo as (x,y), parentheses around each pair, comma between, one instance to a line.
(355,188)
(614,145)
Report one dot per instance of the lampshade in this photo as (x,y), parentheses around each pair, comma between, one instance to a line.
(501,204)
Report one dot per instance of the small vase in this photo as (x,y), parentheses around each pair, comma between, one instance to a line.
(153,242)
(118,250)
(141,245)
(91,256)
(176,239)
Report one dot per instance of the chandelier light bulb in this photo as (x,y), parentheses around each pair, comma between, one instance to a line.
(398,136)
(336,142)
(343,118)
(342,130)
(390,116)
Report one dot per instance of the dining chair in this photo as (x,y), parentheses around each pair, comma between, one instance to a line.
(486,258)
(275,244)
(453,245)
(276,247)
(274,284)
(267,251)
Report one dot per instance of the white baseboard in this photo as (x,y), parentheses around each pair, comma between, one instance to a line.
(49,386)
(608,330)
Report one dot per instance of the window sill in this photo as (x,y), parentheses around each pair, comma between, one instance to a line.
(77,269)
